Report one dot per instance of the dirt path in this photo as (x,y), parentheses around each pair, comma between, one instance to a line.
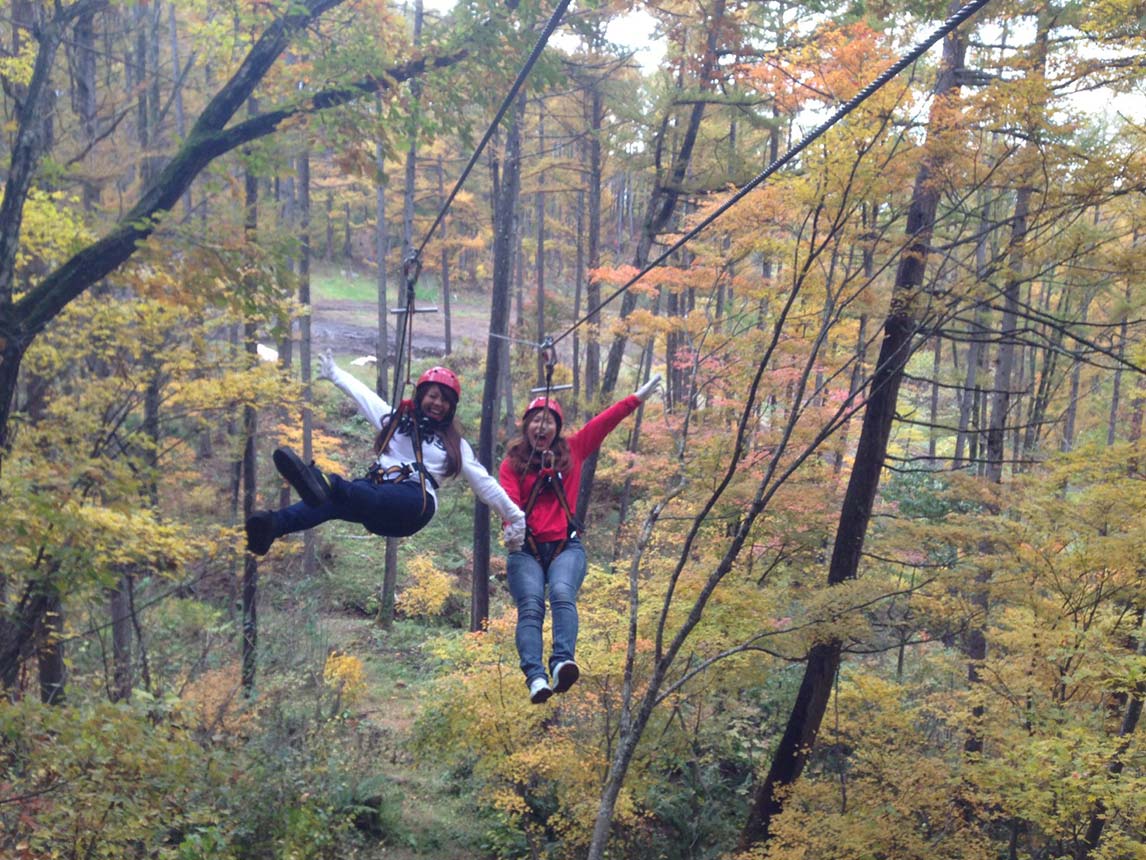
(347,326)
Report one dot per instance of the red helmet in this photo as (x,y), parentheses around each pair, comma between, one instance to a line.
(442,376)
(544,402)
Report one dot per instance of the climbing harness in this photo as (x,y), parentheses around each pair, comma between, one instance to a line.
(403,415)
(548,477)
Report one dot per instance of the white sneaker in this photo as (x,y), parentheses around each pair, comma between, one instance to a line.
(539,691)
(565,675)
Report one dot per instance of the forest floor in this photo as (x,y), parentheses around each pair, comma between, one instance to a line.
(434,820)
(433,816)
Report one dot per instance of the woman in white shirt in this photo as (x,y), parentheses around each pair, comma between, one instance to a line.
(417,448)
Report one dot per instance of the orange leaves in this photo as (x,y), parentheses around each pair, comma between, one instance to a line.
(829,67)
(214,708)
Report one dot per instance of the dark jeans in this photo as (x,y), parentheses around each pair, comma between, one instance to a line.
(527,580)
(390,509)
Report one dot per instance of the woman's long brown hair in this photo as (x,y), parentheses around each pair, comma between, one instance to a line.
(525,458)
(451,436)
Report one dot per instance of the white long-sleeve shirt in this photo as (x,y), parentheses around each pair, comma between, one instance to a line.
(400,452)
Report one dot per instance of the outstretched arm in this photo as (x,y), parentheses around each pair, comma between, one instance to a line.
(487,489)
(589,438)
(369,403)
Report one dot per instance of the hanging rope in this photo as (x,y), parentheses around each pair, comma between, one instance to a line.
(859,98)
(554,20)
(411,268)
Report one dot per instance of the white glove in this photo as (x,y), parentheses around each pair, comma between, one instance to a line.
(326,366)
(648,388)
(513,534)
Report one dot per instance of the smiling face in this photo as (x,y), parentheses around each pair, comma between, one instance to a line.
(540,429)
(435,403)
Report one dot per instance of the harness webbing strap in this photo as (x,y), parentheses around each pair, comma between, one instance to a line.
(550,478)
(404,407)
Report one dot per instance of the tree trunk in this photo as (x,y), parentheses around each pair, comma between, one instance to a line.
(447,332)
(382,251)
(50,652)
(250,455)
(119,604)
(1116,385)
(389,590)
(18,633)
(84,88)
(1000,400)
(250,591)
(803,723)
(509,188)
(666,193)
(539,258)
(180,114)
(968,437)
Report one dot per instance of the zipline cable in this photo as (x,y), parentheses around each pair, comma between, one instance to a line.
(859,98)
(412,266)
(554,20)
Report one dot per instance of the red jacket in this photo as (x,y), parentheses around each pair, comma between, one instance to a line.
(547,519)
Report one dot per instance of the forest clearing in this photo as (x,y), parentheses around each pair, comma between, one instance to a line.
(795,383)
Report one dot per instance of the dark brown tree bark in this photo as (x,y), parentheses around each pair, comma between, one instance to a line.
(803,724)
(508,191)
(250,459)
(50,652)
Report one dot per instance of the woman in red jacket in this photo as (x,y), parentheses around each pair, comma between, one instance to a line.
(541,473)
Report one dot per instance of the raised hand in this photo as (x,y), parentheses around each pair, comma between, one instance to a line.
(326,366)
(648,388)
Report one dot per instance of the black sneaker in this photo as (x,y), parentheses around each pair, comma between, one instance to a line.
(308,481)
(565,675)
(260,532)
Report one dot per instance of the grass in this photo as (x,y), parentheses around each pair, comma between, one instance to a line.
(333,284)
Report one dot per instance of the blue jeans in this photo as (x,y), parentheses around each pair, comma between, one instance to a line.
(390,509)
(527,580)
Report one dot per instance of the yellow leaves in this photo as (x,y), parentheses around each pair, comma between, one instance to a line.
(322,443)
(427,591)
(51,230)
(344,674)
(17,70)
